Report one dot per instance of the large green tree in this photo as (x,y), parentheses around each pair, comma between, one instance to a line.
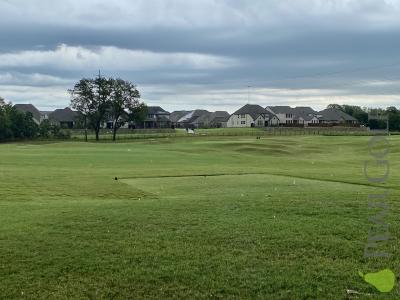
(106,99)
(5,122)
(15,124)
(123,104)
(394,118)
(82,100)
(91,98)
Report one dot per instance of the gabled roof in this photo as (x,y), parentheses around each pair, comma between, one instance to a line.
(192,116)
(203,119)
(63,115)
(156,110)
(304,112)
(212,117)
(253,110)
(332,114)
(29,108)
(219,116)
(281,109)
(176,115)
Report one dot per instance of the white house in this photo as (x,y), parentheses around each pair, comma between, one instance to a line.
(285,114)
(301,115)
(252,115)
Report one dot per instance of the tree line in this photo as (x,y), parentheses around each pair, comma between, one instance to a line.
(374,118)
(98,100)
(15,125)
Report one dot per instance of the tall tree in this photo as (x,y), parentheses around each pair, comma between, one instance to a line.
(101,103)
(394,118)
(357,112)
(91,98)
(138,114)
(2,101)
(5,122)
(124,101)
(82,100)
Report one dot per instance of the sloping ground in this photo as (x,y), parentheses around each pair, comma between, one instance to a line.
(293,226)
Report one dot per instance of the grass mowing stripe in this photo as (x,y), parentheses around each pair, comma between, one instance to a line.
(260,173)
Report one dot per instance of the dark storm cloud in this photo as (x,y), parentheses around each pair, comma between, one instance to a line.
(181,48)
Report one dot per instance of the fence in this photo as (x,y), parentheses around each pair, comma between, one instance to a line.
(257,132)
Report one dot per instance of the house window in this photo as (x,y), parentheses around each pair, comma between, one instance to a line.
(243,116)
(243,122)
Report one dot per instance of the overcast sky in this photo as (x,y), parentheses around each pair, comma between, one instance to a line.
(186,54)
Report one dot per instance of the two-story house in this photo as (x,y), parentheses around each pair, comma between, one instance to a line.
(252,115)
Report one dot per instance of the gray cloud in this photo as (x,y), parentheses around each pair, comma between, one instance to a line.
(204,53)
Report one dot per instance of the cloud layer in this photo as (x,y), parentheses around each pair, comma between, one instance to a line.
(188,54)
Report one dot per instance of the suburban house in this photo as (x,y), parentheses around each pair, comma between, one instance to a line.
(24,108)
(336,117)
(306,116)
(65,118)
(219,119)
(211,120)
(44,115)
(297,116)
(176,115)
(202,121)
(186,120)
(156,118)
(252,115)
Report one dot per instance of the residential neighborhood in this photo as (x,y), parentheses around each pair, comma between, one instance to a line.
(249,115)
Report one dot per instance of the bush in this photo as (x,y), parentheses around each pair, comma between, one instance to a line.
(64,135)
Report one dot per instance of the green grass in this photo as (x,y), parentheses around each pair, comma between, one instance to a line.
(212,217)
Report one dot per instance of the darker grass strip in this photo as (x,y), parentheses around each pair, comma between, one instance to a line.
(260,173)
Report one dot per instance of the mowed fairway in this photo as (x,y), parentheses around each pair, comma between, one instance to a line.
(234,217)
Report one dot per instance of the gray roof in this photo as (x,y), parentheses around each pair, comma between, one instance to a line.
(203,119)
(219,116)
(156,110)
(332,114)
(304,112)
(212,118)
(281,109)
(176,115)
(192,116)
(253,110)
(63,115)
(29,108)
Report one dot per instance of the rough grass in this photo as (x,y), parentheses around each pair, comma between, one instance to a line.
(282,218)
